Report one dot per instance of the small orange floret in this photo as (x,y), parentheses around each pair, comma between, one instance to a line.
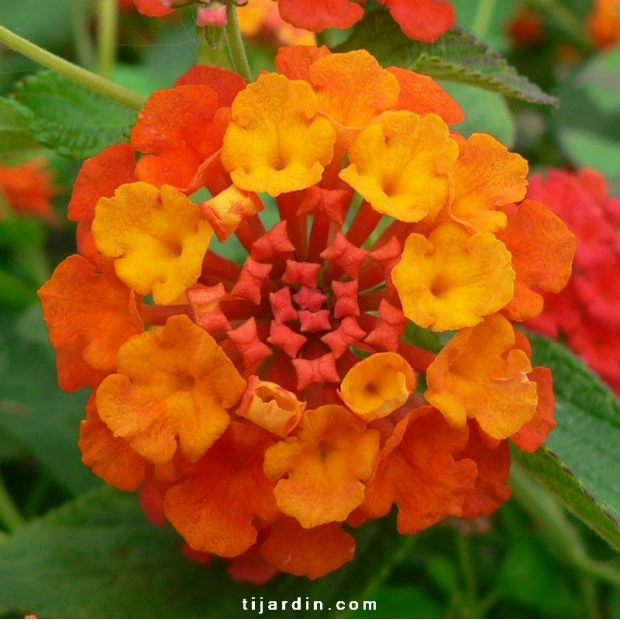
(352,89)
(276,142)
(325,464)
(219,505)
(400,165)
(452,279)
(482,374)
(179,129)
(158,238)
(226,210)
(486,177)
(173,383)
(378,385)
(542,248)
(271,407)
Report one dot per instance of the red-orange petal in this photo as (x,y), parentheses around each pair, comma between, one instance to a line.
(218,507)
(110,457)
(418,471)
(89,314)
(307,552)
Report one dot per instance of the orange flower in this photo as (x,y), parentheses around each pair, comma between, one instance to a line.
(542,250)
(158,239)
(481,374)
(271,407)
(29,188)
(276,142)
(452,279)
(326,463)
(604,22)
(486,177)
(172,384)
(400,165)
(378,385)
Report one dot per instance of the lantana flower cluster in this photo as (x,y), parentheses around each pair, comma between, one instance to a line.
(585,314)
(295,303)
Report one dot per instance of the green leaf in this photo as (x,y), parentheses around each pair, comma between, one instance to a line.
(457,57)
(581,460)
(588,122)
(71,119)
(33,409)
(530,577)
(16,137)
(98,557)
(484,111)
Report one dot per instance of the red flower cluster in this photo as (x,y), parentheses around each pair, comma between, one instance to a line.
(586,312)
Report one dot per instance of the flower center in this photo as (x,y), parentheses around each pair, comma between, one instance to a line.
(300,321)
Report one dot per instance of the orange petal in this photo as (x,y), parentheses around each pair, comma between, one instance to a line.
(493,464)
(400,165)
(216,509)
(295,61)
(89,314)
(225,83)
(166,131)
(158,239)
(534,433)
(482,374)
(453,279)
(423,95)
(307,552)
(486,176)
(110,457)
(325,463)
(226,210)
(351,90)
(276,143)
(378,385)
(320,14)
(543,249)
(173,383)
(423,20)
(418,471)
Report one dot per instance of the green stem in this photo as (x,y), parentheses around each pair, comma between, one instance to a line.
(482,20)
(468,569)
(96,83)
(9,515)
(80,18)
(107,35)
(564,538)
(235,43)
